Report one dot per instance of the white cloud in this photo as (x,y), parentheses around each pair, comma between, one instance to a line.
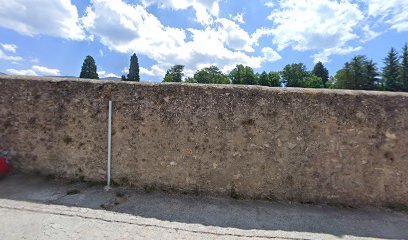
(27,72)
(130,28)
(9,47)
(104,74)
(322,25)
(233,35)
(56,18)
(6,57)
(369,34)
(41,70)
(392,12)
(269,4)
(239,18)
(205,9)
(270,55)
(155,71)
(324,55)
(35,71)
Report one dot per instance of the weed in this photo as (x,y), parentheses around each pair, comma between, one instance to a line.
(149,188)
(67,139)
(233,193)
(248,122)
(73,191)
(398,207)
(120,194)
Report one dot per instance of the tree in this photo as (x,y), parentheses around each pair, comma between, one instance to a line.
(174,74)
(390,71)
(210,75)
(294,75)
(133,69)
(237,74)
(359,73)
(88,69)
(313,81)
(320,71)
(404,68)
(271,79)
(275,79)
(371,76)
(243,75)
(264,79)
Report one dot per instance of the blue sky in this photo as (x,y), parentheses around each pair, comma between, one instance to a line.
(45,37)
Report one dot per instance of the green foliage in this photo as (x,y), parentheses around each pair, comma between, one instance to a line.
(210,75)
(320,71)
(271,79)
(88,69)
(294,75)
(243,75)
(149,188)
(390,71)
(133,69)
(331,83)
(360,73)
(174,74)
(403,77)
(313,81)
(190,80)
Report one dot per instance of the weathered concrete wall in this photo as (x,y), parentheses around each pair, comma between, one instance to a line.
(306,145)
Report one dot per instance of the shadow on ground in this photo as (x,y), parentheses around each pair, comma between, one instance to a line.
(220,212)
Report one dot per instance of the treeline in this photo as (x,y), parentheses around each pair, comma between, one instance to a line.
(359,73)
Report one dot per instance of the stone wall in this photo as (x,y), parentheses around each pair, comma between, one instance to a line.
(307,145)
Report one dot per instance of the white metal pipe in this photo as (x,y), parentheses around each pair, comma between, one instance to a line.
(109,146)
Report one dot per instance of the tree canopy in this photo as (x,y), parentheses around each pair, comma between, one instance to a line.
(359,73)
(174,74)
(293,75)
(271,79)
(243,75)
(88,69)
(210,75)
(404,68)
(391,70)
(321,71)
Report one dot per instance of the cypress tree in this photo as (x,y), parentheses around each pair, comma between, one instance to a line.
(88,69)
(133,69)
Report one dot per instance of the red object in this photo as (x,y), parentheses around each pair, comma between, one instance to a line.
(4,166)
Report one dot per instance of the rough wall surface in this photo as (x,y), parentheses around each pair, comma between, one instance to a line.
(306,145)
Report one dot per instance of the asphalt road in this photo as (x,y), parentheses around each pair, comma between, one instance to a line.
(34,207)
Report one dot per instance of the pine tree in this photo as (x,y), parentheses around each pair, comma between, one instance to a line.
(320,71)
(133,69)
(390,71)
(360,73)
(404,68)
(88,69)
(371,76)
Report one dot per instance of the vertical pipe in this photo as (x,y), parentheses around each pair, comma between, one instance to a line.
(109,146)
